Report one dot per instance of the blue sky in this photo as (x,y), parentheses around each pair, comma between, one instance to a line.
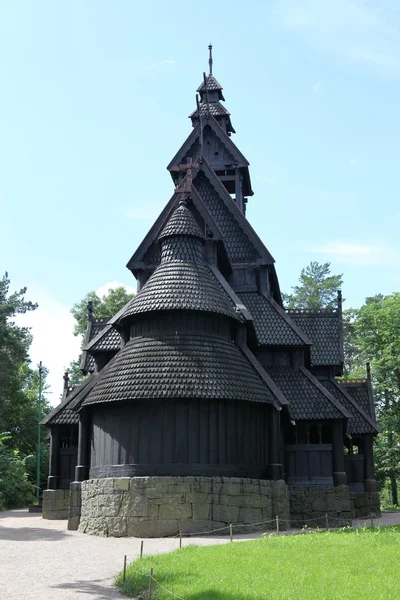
(94,104)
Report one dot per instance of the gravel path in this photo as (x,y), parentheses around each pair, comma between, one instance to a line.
(42,559)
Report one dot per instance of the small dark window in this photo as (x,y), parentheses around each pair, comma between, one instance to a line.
(314,434)
(302,433)
(326,434)
(291,435)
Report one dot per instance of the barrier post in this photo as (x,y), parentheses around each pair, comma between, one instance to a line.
(151,584)
(231,532)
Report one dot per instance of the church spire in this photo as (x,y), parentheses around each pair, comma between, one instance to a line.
(210,100)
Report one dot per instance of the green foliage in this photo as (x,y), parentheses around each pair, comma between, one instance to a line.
(19,393)
(317,288)
(16,491)
(374,336)
(76,376)
(345,564)
(14,346)
(103,308)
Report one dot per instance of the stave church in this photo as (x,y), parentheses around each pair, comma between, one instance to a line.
(205,402)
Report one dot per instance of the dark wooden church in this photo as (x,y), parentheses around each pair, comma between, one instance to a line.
(207,403)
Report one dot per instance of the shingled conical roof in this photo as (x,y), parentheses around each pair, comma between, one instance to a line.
(181,223)
(180,366)
(182,281)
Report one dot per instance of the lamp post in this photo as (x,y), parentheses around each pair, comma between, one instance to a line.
(38,432)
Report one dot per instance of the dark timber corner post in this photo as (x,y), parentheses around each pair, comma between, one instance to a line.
(339,474)
(369,475)
(53,479)
(82,468)
(275,468)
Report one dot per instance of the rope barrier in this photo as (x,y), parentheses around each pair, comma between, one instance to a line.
(165,589)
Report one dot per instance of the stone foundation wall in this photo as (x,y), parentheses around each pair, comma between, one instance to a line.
(163,506)
(55,504)
(363,504)
(310,505)
(74,511)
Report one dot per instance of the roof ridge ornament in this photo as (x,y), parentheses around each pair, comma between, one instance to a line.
(210,59)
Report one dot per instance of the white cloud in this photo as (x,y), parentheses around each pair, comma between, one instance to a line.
(359,30)
(53,341)
(359,254)
(317,86)
(168,62)
(112,285)
(353,161)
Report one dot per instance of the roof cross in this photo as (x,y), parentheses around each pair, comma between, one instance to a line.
(187,182)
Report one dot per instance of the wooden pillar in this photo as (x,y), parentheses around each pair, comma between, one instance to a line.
(275,468)
(238,189)
(369,475)
(82,468)
(53,479)
(339,474)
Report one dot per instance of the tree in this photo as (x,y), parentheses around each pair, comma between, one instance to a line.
(103,308)
(376,339)
(317,288)
(16,491)
(14,346)
(19,391)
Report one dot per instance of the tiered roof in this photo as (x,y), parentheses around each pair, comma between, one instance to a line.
(163,363)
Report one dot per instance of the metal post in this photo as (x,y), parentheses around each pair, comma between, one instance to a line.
(38,433)
(231,532)
(124,577)
(151,584)
(372,520)
(277,523)
(180,539)
(141,549)
(326,521)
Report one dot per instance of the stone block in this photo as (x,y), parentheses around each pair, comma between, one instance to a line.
(73,522)
(109,505)
(122,484)
(198,497)
(199,526)
(231,489)
(320,503)
(179,488)
(61,504)
(117,526)
(250,515)
(175,511)
(105,486)
(94,526)
(149,528)
(202,512)
(228,514)
(204,488)
(342,500)
(234,480)
(375,499)
(155,491)
(134,506)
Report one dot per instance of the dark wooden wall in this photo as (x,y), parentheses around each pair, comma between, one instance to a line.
(179,437)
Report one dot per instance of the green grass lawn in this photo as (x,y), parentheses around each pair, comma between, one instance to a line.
(359,564)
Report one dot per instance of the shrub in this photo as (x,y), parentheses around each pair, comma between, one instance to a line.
(15,489)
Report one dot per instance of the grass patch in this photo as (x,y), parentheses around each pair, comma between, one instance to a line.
(347,564)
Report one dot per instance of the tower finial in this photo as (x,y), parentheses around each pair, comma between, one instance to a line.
(210,59)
